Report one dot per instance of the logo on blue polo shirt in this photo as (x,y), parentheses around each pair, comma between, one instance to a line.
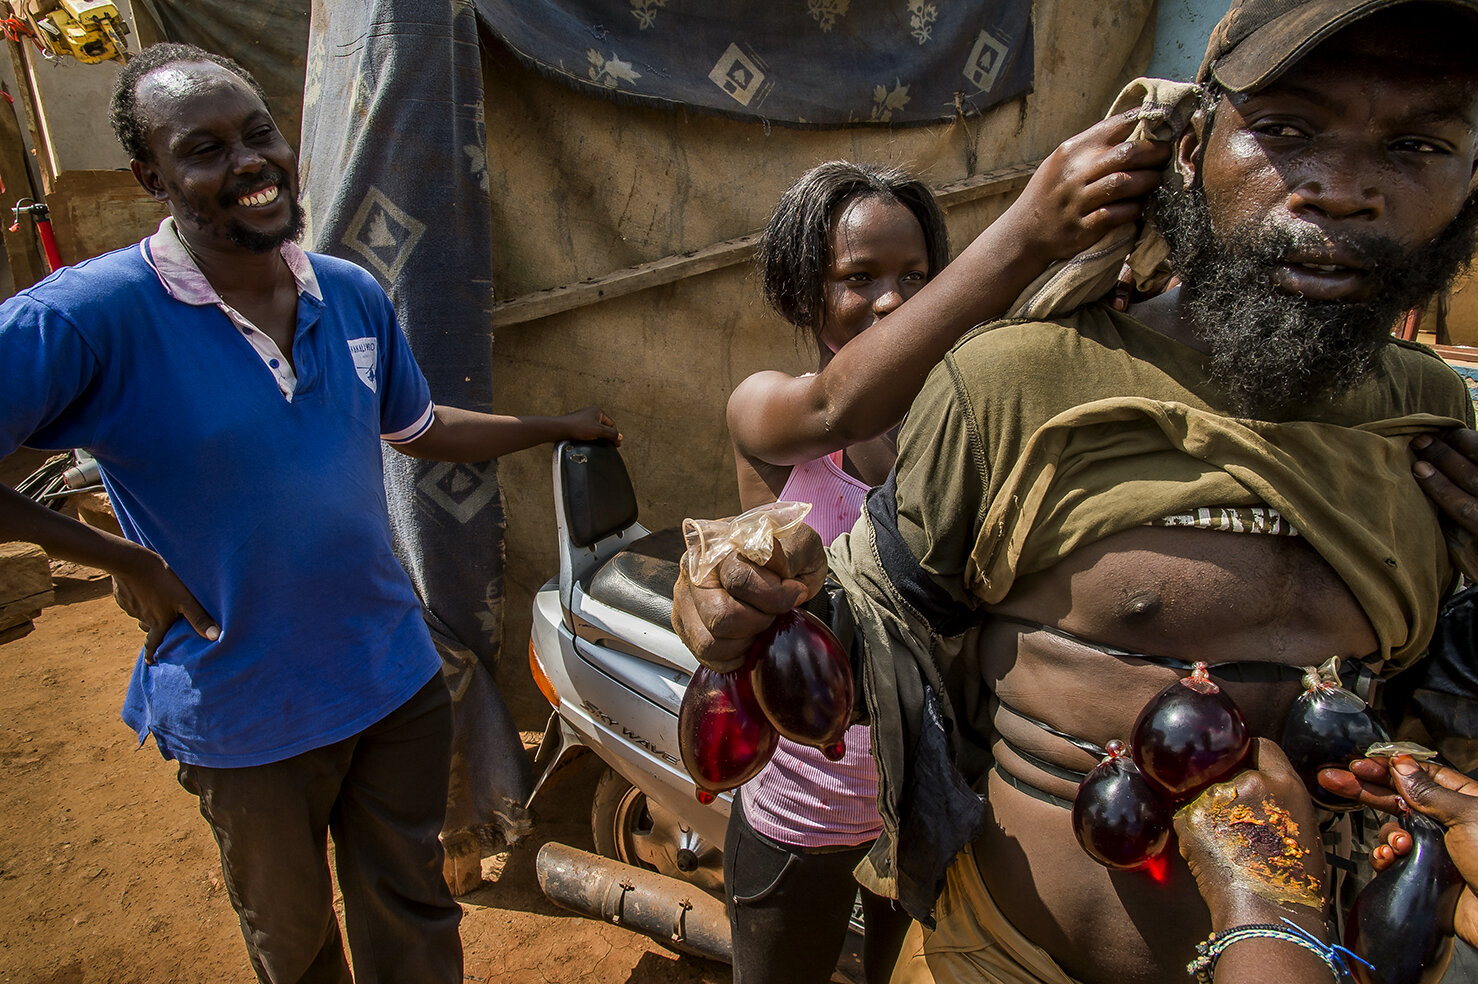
(363,351)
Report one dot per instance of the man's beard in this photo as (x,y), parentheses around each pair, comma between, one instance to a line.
(1276,353)
(251,239)
(265,242)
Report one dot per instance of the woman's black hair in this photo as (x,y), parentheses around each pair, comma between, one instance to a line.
(794,251)
(123,111)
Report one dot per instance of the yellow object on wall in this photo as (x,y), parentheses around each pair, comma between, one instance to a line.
(91,31)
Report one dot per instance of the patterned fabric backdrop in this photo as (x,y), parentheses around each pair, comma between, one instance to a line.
(798,62)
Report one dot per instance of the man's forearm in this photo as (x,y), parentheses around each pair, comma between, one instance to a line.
(61,536)
(467,435)
(143,583)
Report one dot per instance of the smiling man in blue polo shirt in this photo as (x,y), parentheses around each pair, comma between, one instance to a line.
(236,390)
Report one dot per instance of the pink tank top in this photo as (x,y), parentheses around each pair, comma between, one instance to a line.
(836,498)
(801,798)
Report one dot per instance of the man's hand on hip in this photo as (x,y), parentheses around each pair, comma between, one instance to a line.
(154,595)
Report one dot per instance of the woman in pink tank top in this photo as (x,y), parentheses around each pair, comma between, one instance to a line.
(847,245)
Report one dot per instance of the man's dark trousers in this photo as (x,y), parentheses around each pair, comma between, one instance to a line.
(382,795)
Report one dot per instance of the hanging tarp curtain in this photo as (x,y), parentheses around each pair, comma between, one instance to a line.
(394,179)
(815,63)
(390,98)
(269,37)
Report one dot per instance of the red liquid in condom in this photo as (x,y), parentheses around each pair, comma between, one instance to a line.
(724,737)
(1327,727)
(1189,736)
(803,681)
(1119,819)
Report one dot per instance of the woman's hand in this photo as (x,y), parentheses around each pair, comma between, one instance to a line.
(1436,791)
(1091,184)
(718,619)
(1447,471)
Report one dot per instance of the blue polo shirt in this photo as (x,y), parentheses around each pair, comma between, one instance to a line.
(264,493)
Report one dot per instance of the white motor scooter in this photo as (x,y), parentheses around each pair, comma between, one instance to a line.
(603,653)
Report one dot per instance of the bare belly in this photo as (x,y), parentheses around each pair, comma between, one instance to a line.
(1189,594)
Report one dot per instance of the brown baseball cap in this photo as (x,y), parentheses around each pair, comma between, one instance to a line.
(1258,39)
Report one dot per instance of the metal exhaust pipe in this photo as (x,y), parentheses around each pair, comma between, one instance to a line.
(672,912)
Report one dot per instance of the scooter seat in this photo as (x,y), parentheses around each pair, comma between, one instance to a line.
(640,579)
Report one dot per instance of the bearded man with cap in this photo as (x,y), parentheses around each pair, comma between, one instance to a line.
(1085,505)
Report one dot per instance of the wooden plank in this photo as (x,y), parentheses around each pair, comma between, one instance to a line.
(93,212)
(22,250)
(1464,354)
(24,609)
(25,80)
(16,632)
(670,269)
(25,573)
(1000,181)
(25,588)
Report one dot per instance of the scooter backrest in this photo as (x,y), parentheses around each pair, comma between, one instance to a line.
(598,498)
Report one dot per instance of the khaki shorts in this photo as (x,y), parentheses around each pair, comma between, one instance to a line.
(973,942)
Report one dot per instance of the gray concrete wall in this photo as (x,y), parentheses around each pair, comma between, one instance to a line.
(74,100)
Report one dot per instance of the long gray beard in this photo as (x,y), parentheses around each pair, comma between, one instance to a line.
(1278,355)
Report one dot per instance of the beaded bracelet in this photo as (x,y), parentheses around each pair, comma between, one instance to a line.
(1211,948)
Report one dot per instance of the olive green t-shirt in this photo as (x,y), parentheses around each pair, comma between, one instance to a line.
(1032,439)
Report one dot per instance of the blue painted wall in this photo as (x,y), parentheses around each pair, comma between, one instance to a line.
(1181,30)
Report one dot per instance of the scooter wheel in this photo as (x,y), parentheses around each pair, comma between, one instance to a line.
(617,815)
(624,828)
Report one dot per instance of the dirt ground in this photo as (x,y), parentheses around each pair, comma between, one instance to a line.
(108,875)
